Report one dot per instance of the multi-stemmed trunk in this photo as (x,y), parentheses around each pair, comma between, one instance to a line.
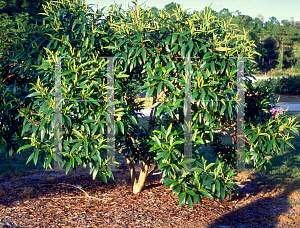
(138,182)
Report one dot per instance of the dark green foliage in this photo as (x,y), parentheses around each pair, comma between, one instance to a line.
(32,7)
(282,86)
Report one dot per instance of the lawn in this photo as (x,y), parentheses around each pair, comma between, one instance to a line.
(287,165)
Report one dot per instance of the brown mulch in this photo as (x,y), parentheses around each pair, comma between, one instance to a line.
(53,199)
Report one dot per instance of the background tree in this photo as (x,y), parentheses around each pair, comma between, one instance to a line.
(296,53)
(171,8)
(154,10)
(225,14)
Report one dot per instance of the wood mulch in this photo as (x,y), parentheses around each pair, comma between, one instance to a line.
(53,199)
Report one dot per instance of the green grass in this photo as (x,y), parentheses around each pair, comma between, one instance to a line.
(16,165)
(287,165)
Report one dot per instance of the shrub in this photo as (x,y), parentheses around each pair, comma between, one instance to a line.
(282,86)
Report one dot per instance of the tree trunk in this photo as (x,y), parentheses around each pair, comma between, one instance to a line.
(281,58)
(138,183)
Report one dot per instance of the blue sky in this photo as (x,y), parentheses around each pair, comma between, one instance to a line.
(281,9)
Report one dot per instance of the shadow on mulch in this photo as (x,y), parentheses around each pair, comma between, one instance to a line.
(261,210)
(264,203)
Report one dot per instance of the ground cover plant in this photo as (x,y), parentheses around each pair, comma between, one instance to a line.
(148,49)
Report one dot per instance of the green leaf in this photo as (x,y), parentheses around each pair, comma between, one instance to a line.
(24,147)
(208,167)
(92,41)
(78,160)
(144,54)
(94,129)
(169,111)
(159,87)
(174,166)
(222,193)
(223,109)
(190,192)
(174,37)
(25,128)
(160,109)
(223,64)
(137,53)
(182,199)
(274,143)
(103,177)
(121,125)
(213,69)
(190,201)
(170,85)
(168,182)
(205,193)
(48,160)
(120,44)
(151,91)
(290,145)
(95,172)
(30,158)
(68,166)
(75,147)
(218,185)
(75,22)
(269,146)
(182,51)
(72,162)
(36,156)
(253,139)
(229,109)
(174,184)
(67,72)
(154,148)
(177,190)
(34,94)
(196,198)
(89,121)
(203,93)
(169,130)
(86,149)
(162,155)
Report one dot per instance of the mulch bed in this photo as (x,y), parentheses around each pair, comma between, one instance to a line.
(53,199)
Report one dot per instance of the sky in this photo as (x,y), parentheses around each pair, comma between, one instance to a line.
(281,9)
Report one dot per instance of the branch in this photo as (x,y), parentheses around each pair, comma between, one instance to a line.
(86,195)
(152,170)
(133,141)
(132,170)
